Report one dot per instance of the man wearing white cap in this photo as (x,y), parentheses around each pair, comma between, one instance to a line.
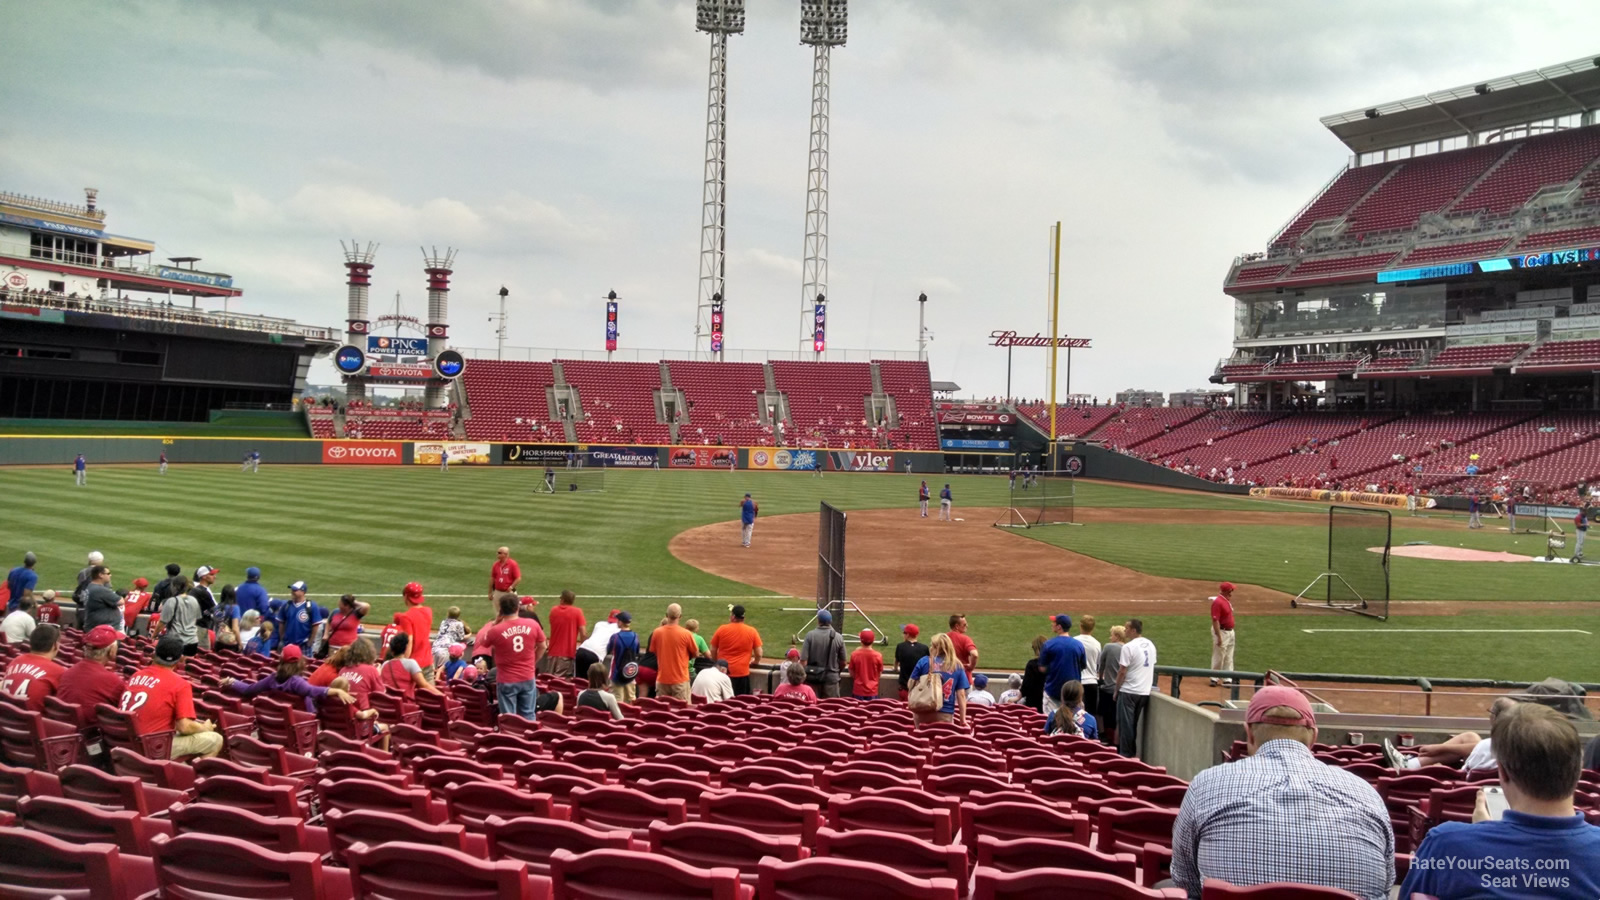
(1282,815)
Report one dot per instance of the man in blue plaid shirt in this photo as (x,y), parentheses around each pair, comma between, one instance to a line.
(1281,815)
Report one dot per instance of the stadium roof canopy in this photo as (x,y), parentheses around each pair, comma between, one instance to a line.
(1548,93)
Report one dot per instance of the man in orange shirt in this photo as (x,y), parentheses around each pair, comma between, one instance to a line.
(866,665)
(417,623)
(674,647)
(966,650)
(740,645)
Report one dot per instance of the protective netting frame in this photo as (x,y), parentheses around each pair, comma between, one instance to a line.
(1356,579)
(831,563)
(575,481)
(1058,500)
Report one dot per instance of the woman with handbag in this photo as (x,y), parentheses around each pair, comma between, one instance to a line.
(941,699)
(344,626)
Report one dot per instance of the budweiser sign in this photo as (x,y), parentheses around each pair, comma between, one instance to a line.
(1012,339)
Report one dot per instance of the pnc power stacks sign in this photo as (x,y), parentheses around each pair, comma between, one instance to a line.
(361,453)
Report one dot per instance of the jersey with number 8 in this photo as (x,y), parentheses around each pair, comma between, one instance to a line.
(515,646)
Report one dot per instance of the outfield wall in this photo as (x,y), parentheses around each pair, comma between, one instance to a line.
(1094,461)
(47,450)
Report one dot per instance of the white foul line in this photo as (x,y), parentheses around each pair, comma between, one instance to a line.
(1445,631)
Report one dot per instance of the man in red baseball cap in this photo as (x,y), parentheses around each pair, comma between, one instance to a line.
(94,679)
(1222,630)
(866,666)
(416,623)
(906,655)
(1281,814)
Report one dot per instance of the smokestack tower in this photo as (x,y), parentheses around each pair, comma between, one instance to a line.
(358,279)
(439,268)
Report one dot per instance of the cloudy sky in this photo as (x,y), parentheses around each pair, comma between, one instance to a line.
(558,145)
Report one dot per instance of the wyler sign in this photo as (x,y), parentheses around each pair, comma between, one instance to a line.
(862,461)
(361,453)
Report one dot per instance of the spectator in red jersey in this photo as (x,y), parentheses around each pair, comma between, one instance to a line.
(402,674)
(966,650)
(416,623)
(357,669)
(344,626)
(134,603)
(162,700)
(516,644)
(866,666)
(49,609)
(35,675)
(566,630)
(504,575)
(94,679)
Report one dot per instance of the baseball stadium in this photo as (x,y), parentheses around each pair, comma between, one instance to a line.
(1385,492)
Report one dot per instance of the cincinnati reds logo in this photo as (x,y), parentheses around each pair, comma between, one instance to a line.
(1074,465)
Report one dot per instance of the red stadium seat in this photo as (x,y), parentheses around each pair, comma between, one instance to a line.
(279,834)
(279,723)
(1008,820)
(271,801)
(466,766)
(836,877)
(880,813)
(374,828)
(471,803)
(91,785)
(416,871)
(29,739)
(117,729)
(762,814)
(912,856)
(198,865)
(533,840)
(76,822)
(960,785)
(602,874)
(352,796)
(173,776)
(708,846)
(1022,854)
(215,765)
(38,865)
(1030,884)
(616,808)
(1072,790)
(274,758)
(756,774)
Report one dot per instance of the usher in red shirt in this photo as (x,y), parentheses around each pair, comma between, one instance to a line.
(504,574)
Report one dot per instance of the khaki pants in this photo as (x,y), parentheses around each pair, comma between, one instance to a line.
(556,665)
(205,743)
(494,598)
(1222,656)
(679,691)
(625,693)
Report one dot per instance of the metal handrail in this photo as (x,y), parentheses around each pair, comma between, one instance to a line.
(149,309)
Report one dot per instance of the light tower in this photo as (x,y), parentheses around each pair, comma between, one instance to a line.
(822,26)
(718,18)
(500,329)
(438,267)
(358,279)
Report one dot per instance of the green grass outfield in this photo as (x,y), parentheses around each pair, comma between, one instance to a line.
(371,530)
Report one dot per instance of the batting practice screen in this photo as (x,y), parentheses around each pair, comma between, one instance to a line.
(830,564)
(1358,560)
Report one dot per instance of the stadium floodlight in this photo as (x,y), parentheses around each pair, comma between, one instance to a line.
(718,18)
(822,27)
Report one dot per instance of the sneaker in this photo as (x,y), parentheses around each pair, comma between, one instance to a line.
(1395,758)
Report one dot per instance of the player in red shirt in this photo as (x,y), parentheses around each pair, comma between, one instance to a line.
(866,665)
(504,575)
(162,700)
(35,675)
(516,644)
(966,650)
(417,623)
(1222,630)
(94,679)
(566,629)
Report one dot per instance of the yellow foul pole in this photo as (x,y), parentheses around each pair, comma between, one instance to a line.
(1055,314)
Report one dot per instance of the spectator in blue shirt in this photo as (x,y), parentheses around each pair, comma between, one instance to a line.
(264,640)
(300,620)
(21,581)
(251,595)
(1061,660)
(1540,846)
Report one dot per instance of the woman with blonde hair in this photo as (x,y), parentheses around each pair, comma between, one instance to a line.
(952,679)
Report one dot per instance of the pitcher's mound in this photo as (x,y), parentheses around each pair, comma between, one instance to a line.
(1454,554)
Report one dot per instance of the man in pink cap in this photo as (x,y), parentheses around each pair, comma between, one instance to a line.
(94,679)
(1282,815)
(1222,630)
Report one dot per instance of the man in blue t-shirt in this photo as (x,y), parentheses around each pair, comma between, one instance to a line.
(21,581)
(252,595)
(623,648)
(747,517)
(300,620)
(1539,846)
(1062,659)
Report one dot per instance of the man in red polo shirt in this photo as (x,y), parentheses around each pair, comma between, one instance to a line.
(1222,630)
(94,679)
(504,575)
(566,629)
(162,700)
(35,675)
(966,650)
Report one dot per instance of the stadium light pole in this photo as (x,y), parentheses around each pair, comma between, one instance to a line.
(923,334)
(823,26)
(500,328)
(718,18)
